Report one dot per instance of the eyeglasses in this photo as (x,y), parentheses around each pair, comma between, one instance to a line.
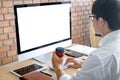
(92,17)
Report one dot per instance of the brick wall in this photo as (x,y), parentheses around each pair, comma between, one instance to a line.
(80,26)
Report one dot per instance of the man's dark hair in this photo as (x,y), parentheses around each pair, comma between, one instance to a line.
(109,10)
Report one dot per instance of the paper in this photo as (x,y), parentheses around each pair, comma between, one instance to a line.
(81,49)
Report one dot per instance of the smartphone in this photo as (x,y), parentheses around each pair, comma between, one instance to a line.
(73,54)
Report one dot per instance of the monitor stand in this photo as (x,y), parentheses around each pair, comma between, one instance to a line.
(44,58)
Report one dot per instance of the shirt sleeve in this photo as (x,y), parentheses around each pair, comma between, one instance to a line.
(90,70)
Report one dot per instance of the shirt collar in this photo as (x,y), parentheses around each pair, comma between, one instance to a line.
(109,37)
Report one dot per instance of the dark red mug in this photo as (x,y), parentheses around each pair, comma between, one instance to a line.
(59,51)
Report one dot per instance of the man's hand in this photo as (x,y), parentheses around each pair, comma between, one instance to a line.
(56,61)
(77,63)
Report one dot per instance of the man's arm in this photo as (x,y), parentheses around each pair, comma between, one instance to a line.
(59,72)
(56,61)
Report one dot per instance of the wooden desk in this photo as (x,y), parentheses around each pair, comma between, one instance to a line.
(5,73)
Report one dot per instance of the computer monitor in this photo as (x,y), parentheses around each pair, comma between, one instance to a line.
(42,27)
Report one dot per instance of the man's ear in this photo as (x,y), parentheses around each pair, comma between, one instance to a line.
(101,21)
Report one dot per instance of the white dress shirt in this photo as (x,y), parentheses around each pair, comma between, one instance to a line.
(103,63)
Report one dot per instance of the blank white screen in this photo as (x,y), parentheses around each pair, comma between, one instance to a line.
(42,25)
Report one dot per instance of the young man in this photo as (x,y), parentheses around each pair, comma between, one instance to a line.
(103,63)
